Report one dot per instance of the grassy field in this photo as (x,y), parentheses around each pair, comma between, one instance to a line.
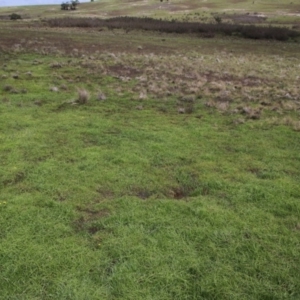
(146,165)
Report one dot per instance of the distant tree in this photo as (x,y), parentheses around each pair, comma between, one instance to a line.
(74,4)
(65,6)
(15,17)
(218,19)
(69,6)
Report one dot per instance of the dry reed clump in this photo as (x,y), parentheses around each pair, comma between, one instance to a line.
(7,88)
(222,106)
(289,105)
(64,87)
(296,125)
(54,89)
(83,96)
(143,95)
(251,113)
(56,65)
(287,121)
(101,96)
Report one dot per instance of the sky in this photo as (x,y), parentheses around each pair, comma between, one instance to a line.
(31,2)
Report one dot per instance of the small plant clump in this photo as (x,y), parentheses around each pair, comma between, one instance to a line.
(174,26)
(15,16)
(70,6)
(83,96)
(218,19)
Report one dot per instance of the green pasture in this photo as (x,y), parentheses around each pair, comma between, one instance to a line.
(147,166)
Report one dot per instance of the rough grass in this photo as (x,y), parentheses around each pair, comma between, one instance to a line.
(106,201)
(127,198)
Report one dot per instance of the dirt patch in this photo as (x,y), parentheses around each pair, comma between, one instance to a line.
(91,214)
(142,193)
(15,179)
(86,222)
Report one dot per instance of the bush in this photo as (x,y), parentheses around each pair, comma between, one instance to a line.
(218,19)
(146,23)
(15,17)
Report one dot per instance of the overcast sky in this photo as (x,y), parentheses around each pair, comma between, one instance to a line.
(32,2)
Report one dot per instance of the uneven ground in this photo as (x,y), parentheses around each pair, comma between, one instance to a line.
(139,165)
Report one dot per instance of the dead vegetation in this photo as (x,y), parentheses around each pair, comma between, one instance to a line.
(83,96)
(175,26)
(247,83)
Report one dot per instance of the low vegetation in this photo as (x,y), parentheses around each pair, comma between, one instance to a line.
(173,26)
(141,164)
(15,16)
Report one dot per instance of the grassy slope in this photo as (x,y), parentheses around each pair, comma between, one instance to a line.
(178,8)
(106,201)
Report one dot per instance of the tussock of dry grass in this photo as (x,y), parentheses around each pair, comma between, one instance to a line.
(83,96)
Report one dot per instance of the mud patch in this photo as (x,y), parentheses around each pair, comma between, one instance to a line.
(15,179)
(142,193)
(87,220)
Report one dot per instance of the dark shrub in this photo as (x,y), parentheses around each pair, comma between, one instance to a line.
(173,26)
(15,17)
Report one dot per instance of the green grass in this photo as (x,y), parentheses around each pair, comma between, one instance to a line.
(102,201)
(128,199)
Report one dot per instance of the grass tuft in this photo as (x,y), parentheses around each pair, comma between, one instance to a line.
(83,96)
